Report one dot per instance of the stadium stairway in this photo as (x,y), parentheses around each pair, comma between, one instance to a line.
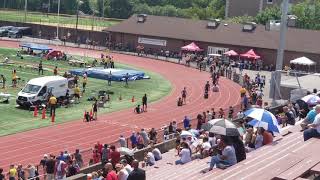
(289,157)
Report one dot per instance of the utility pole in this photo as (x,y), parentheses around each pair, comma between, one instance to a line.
(49,4)
(25,10)
(103,8)
(58,19)
(276,77)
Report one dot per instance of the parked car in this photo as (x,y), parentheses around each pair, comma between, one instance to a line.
(18,32)
(4,30)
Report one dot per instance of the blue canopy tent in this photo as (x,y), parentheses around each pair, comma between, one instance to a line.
(35,47)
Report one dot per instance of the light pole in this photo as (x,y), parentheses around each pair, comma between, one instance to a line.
(276,76)
(103,8)
(25,10)
(58,20)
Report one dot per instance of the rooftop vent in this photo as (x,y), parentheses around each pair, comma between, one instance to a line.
(273,25)
(213,24)
(249,26)
(141,18)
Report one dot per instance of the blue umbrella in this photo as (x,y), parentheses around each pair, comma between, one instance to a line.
(263,118)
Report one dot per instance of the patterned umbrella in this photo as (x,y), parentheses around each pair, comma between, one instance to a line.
(224,127)
(263,118)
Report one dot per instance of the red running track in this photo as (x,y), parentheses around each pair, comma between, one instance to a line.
(29,147)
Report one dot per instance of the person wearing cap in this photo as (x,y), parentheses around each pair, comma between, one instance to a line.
(314,128)
(122,172)
(127,166)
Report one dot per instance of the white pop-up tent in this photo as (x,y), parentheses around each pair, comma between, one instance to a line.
(304,61)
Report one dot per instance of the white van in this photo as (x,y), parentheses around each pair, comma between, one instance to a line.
(37,90)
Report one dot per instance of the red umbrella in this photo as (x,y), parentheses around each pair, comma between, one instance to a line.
(231,53)
(191,47)
(250,55)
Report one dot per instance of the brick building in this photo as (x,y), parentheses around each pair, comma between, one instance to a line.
(170,33)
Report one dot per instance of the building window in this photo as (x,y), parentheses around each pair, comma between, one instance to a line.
(269,1)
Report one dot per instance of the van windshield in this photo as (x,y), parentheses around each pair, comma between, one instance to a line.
(31,89)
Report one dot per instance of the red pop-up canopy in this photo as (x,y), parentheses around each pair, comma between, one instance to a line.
(231,53)
(250,55)
(191,47)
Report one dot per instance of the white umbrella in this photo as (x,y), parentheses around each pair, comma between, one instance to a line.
(311,99)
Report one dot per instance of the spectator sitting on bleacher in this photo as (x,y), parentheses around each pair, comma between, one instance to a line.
(248,136)
(122,172)
(156,153)
(308,119)
(239,148)
(185,154)
(314,128)
(205,148)
(149,159)
(127,166)
(267,136)
(226,158)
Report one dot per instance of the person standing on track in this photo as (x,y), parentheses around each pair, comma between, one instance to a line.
(144,103)
(95,110)
(184,95)
(40,68)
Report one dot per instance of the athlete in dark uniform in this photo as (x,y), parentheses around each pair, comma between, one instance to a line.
(144,102)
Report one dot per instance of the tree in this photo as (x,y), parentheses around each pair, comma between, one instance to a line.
(272,13)
(120,8)
(308,13)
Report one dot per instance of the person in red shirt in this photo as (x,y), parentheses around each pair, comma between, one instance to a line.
(96,156)
(99,147)
(267,137)
(115,156)
(112,175)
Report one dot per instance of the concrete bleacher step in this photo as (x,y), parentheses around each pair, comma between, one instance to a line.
(260,159)
(285,151)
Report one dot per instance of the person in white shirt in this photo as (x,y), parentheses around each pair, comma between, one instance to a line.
(127,166)
(185,154)
(122,173)
(205,147)
(156,153)
(149,159)
(240,115)
(314,128)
